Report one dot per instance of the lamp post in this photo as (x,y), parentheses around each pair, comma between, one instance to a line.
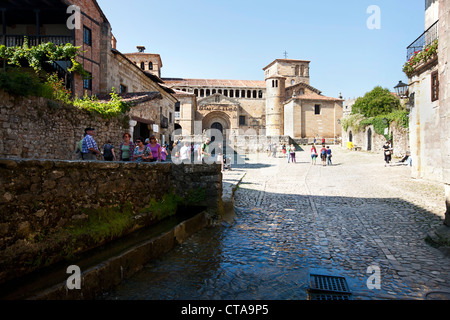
(401,89)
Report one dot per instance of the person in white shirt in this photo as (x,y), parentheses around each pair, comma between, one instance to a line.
(185,153)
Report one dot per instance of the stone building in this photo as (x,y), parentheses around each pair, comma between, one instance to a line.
(424,103)
(284,104)
(430,111)
(47,21)
(50,21)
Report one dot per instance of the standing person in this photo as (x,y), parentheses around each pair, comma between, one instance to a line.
(89,146)
(108,151)
(164,153)
(205,150)
(155,147)
(185,153)
(274,150)
(126,148)
(313,155)
(292,153)
(323,142)
(387,153)
(141,153)
(329,156)
(220,155)
(323,155)
(283,149)
(79,148)
(288,153)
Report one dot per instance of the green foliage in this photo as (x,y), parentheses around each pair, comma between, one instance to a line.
(419,57)
(195,196)
(113,108)
(23,82)
(37,56)
(104,223)
(352,121)
(376,102)
(164,208)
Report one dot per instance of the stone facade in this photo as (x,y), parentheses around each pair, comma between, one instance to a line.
(444,97)
(39,198)
(425,121)
(260,107)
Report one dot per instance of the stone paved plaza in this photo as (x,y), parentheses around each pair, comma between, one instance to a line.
(349,216)
(292,220)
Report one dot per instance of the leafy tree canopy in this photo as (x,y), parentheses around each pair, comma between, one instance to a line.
(379,101)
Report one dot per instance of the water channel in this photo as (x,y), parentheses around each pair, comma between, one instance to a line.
(220,263)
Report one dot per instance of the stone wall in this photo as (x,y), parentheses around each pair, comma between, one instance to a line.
(361,139)
(38,198)
(37,128)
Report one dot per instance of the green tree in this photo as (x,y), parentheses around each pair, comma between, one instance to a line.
(377,102)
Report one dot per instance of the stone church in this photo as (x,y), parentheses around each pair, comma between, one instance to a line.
(284,104)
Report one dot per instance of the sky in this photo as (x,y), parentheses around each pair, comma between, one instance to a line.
(236,39)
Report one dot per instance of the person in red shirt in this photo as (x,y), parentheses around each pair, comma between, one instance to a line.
(323,155)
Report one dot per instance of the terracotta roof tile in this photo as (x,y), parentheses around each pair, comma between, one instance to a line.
(214,83)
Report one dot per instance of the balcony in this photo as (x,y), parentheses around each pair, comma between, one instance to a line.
(18,40)
(427,38)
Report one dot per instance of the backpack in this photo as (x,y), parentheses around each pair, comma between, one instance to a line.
(324,151)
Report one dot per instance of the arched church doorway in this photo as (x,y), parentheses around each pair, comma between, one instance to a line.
(217,126)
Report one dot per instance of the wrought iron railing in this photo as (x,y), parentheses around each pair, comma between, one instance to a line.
(18,40)
(427,38)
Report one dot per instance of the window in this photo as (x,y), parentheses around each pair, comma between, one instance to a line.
(142,65)
(150,66)
(87,36)
(87,83)
(242,120)
(123,89)
(260,94)
(317,109)
(434,86)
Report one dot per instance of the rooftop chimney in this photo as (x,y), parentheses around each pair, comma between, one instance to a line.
(140,48)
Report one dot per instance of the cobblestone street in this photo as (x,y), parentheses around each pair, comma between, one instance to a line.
(295,219)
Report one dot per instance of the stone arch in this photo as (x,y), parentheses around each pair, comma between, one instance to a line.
(217,118)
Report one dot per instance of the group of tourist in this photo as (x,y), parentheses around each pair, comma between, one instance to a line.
(148,150)
(325,155)
(141,150)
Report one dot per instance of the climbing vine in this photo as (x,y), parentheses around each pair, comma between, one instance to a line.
(36,57)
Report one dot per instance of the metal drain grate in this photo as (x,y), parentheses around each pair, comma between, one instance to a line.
(328,288)
(329,296)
